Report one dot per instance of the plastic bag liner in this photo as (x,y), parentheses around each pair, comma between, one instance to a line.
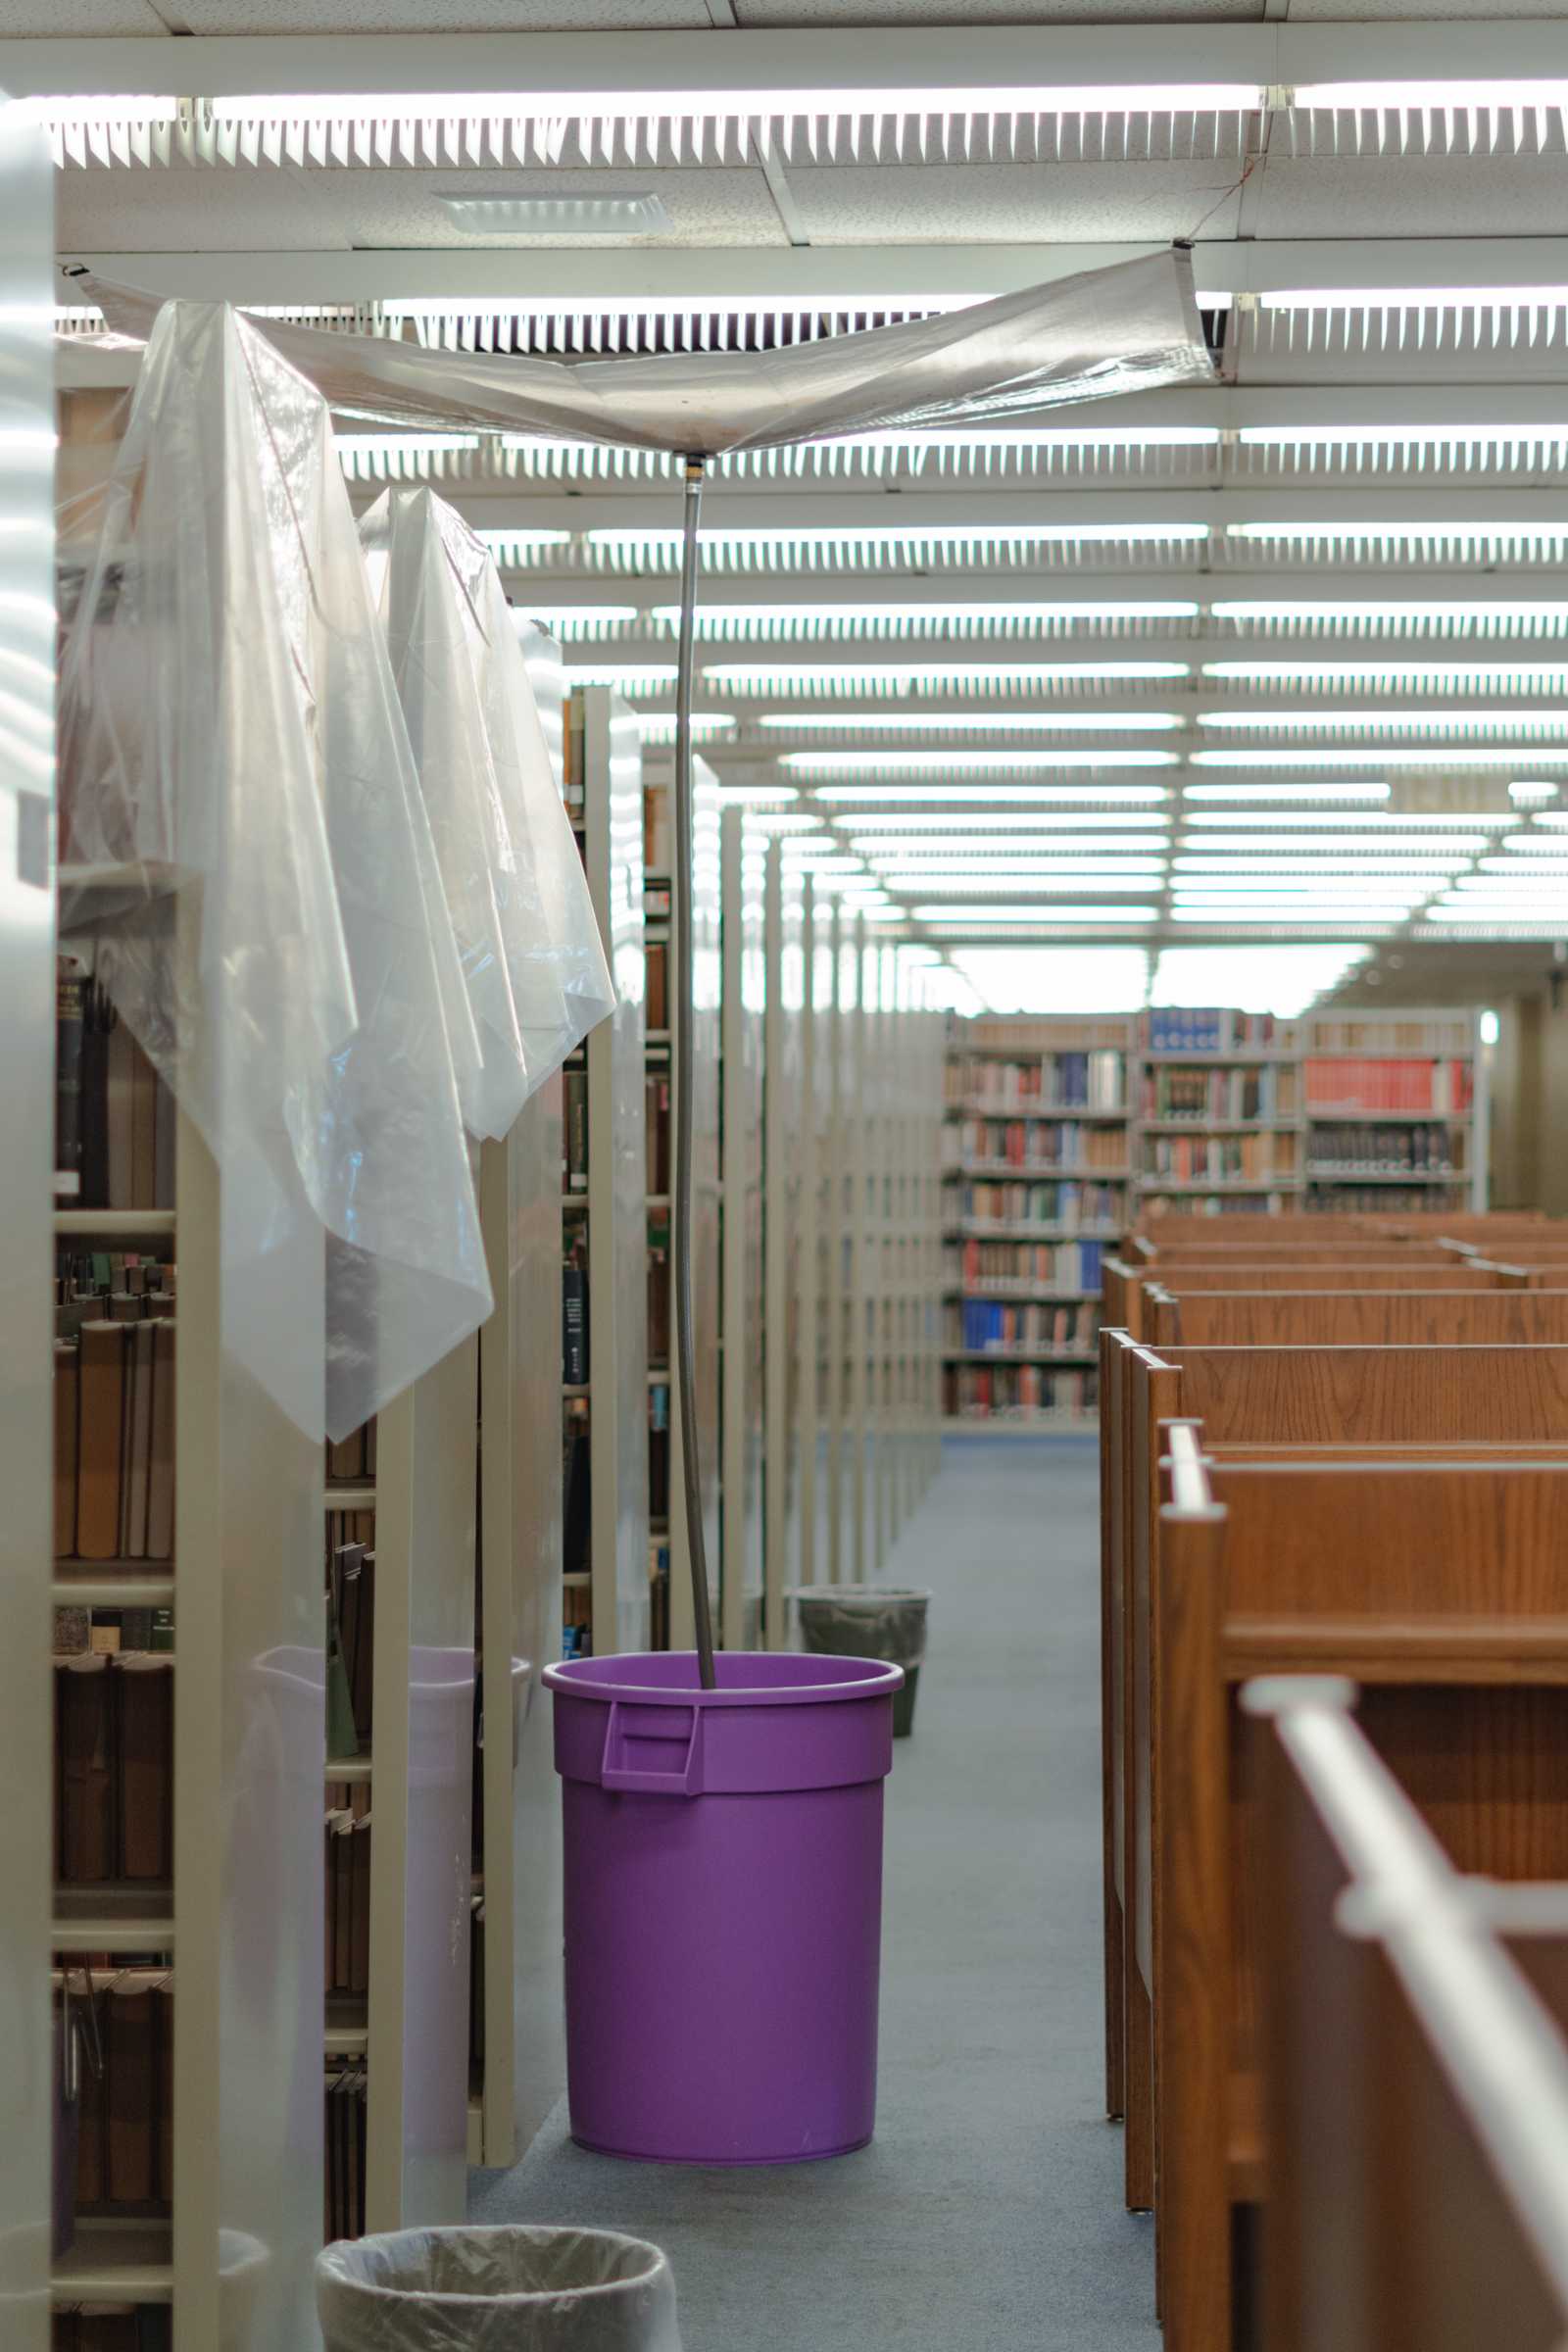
(514,886)
(864,1621)
(496,2291)
(277,935)
(1127,328)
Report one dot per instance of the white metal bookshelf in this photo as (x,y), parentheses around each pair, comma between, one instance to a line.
(1292,1168)
(788,1173)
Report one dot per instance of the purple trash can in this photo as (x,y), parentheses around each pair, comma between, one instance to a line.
(723,1902)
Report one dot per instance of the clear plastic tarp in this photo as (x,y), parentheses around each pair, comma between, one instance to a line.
(1128,328)
(523,920)
(237,780)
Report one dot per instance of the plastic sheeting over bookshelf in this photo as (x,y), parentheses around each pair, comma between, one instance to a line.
(525,922)
(272,927)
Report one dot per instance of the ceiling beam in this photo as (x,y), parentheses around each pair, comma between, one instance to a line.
(548,280)
(925,69)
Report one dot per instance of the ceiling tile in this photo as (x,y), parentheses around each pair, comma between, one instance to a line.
(443,16)
(53,20)
(1009,202)
(188,207)
(1345,196)
(708,207)
(756,14)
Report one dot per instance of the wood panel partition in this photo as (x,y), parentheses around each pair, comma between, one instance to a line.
(1436,1584)
(1422,1317)
(1412,2200)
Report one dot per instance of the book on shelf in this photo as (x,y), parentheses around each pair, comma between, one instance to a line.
(1170,1093)
(1211,1029)
(659,834)
(347,2092)
(574,1130)
(1218,1159)
(351,1460)
(1095,1080)
(114,1781)
(1033,1203)
(351,1630)
(1035,1144)
(980,1265)
(113,1116)
(1442,1087)
(122,2123)
(657,967)
(574,1321)
(656,1128)
(1016,1392)
(976,1325)
(1416,1148)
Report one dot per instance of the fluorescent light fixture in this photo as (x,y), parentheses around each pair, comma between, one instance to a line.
(1469,96)
(757,796)
(1249,866)
(573,621)
(387,446)
(1317,612)
(924,677)
(501,542)
(910,848)
(1283,980)
(72,114)
(1489,1028)
(984,870)
(965,763)
(1262,832)
(1265,791)
(814,619)
(964,822)
(765,820)
(633,213)
(659,726)
(1360,533)
(1526,791)
(1055,979)
(1373,436)
(628,677)
(946,913)
(1084,795)
(661,104)
(1064,881)
(1322,754)
(1371,722)
(630,539)
(1446,677)
(956,722)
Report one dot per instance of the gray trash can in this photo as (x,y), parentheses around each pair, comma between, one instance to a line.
(886,1622)
(496,2291)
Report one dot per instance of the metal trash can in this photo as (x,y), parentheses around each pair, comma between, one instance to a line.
(496,2291)
(869,1621)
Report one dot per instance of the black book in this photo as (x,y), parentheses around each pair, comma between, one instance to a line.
(100,1018)
(575,1533)
(575,1325)
(71,1007)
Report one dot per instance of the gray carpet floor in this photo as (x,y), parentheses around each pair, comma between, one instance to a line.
(988,2210)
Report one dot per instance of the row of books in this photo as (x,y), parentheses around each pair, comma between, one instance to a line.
(1352,1151)
(575,1131)
(1096,1081)
(1444,1087)
(1034,1144)
(114,1448)
(350,1632)
(1014,1392)
(1219,1158)
(1384,1200)
(123,2117)
(348,1894)
(659,1449)
(1214,1204)
(657,1130)
(113,1790)
(114,1116)
(111,2327)
(1187,1029)
(351,1460)
(980,1323)
(1009,1204)
(1266,1092)
(979,1265)
(347,2102)
(1388,1034)
(574,1317)
(112,1286)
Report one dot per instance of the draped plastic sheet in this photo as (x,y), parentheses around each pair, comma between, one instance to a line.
(233,743)
(525,922)
(1128,328)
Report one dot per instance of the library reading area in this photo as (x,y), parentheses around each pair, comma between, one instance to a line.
(783,922)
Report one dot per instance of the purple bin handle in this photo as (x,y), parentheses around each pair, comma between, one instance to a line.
(634,1780)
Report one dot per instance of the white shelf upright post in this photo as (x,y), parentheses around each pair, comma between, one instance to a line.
(784,1131)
